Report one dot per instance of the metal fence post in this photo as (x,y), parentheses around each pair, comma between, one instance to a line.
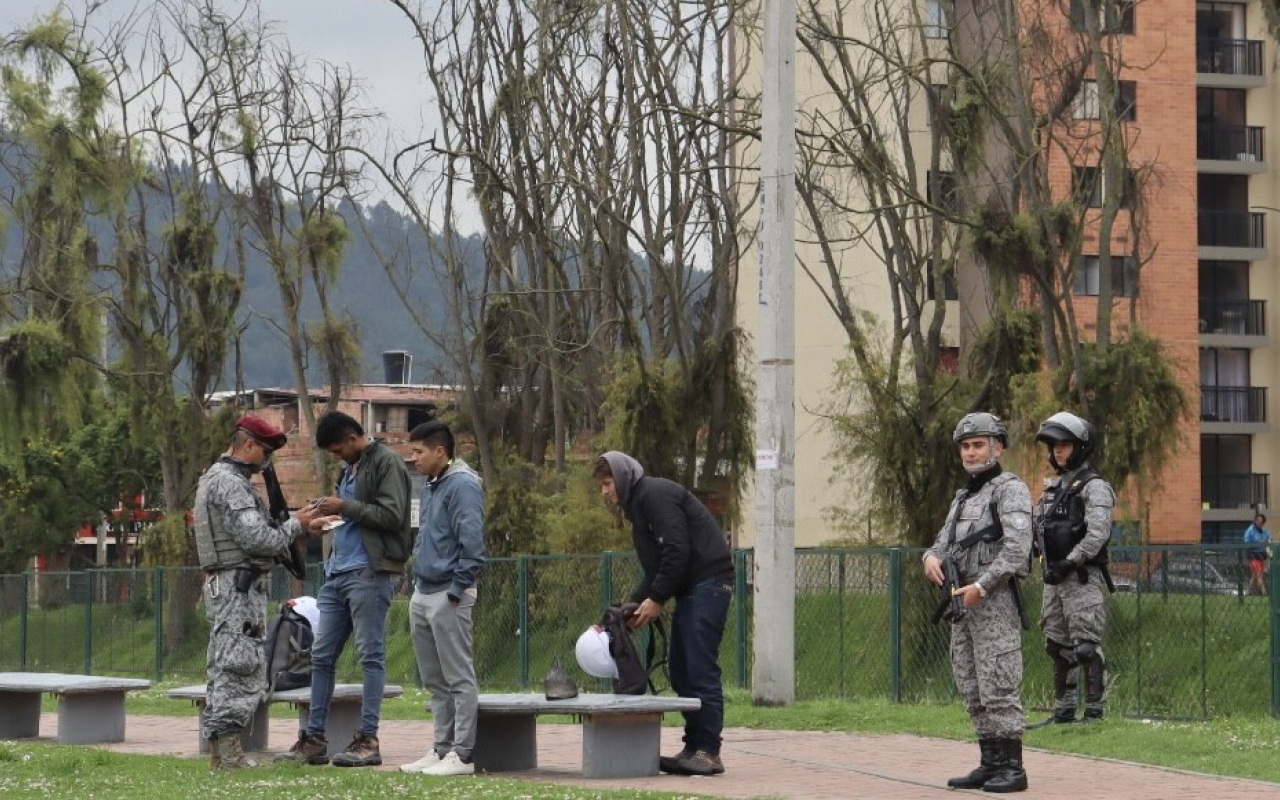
(606,579)
(1204,641)
(22,621)
(158,615)
(1273,605)
(1137,640)
(88,623)
(895,624)
(840,619)
(522,591)
(740,600)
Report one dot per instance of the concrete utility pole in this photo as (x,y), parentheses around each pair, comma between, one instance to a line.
(773,680)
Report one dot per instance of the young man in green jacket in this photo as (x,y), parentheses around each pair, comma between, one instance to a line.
(367,558)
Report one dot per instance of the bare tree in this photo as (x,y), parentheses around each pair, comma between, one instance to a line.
(975,197)
(594,146)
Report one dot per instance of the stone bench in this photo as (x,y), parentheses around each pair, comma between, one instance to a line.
(620,732)
(342,725)
(90,709)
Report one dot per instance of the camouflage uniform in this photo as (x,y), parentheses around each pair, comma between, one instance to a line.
(1073,613)
(986,646)
(233,530)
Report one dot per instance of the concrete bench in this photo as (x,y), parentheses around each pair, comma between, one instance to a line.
(342,726)
(90,709)
(620,732)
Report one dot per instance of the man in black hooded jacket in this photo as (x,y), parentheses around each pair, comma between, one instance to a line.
(684,555)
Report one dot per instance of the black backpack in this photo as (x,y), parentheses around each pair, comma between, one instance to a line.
(288,649)
(635,674)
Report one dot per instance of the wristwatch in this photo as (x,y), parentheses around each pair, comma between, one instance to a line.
(982,592)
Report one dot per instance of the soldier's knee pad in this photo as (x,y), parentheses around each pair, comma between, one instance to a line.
(1088,651)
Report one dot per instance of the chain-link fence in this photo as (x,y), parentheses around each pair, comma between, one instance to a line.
(1184,638)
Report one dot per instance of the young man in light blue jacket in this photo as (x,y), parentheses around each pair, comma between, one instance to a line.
(447,557)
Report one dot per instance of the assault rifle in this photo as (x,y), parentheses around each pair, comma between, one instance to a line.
(295,559)
(951,605)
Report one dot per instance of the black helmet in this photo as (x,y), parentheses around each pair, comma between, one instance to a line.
(1067,427)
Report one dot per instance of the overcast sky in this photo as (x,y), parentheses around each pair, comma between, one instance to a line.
(372,37)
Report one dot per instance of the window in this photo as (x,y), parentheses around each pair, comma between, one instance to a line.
(1124,276)
(950,290)
(940,190)
(1088,187)
(935,102)
(935,20)
(949,360)
(1119,15)
(1087,105)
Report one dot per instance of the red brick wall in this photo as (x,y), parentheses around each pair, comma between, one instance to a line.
(1161,59)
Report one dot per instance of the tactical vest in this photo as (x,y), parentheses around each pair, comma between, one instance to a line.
(1063,525)
(215,546)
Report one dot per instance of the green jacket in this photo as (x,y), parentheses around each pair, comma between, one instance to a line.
(380,507)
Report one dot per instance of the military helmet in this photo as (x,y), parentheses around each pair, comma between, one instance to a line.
(981,424)
(558,684)
(1067,427)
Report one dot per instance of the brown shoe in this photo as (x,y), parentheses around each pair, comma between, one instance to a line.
(671,764)
(700,763)
(362,752)
(307,750)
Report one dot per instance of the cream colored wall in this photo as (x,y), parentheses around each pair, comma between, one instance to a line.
(1264,194)
(820,343)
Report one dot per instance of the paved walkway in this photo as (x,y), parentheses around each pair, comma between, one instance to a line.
(765,763)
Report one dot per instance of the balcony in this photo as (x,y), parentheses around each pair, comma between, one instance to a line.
(1233,317)
(1235,491)
(1241,143)
(1233,404)
(1229,57)
(1243,229)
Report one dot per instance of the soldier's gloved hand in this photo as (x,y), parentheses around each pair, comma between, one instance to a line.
(1053,574)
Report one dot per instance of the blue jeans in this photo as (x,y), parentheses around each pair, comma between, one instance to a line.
(697,626)
(353,601)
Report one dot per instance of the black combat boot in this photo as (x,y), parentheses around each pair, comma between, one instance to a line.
(1011,777)
(1061,716)
(986,770)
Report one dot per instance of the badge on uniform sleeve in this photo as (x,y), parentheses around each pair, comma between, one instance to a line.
(1020,521)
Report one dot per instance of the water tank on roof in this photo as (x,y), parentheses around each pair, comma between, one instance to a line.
(398,366)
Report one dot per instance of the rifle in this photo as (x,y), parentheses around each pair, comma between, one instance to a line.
(951,605)
(295,559)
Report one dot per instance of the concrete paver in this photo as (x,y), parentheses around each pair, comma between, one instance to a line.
(766,763)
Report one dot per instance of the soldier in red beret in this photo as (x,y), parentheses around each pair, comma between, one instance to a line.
(238,545)
(263,431)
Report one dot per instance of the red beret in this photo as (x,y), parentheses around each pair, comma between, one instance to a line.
(263,431)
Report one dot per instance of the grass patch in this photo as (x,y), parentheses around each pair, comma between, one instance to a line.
(43,770)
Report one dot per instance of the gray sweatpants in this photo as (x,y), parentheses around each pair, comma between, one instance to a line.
(442,644)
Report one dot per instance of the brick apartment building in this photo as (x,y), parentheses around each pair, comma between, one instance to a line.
(1201,91)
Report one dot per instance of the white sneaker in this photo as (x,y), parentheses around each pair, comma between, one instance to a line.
(423,764)
(451,764)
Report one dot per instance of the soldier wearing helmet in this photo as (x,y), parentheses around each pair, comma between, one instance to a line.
(987,535)
(1073,525)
